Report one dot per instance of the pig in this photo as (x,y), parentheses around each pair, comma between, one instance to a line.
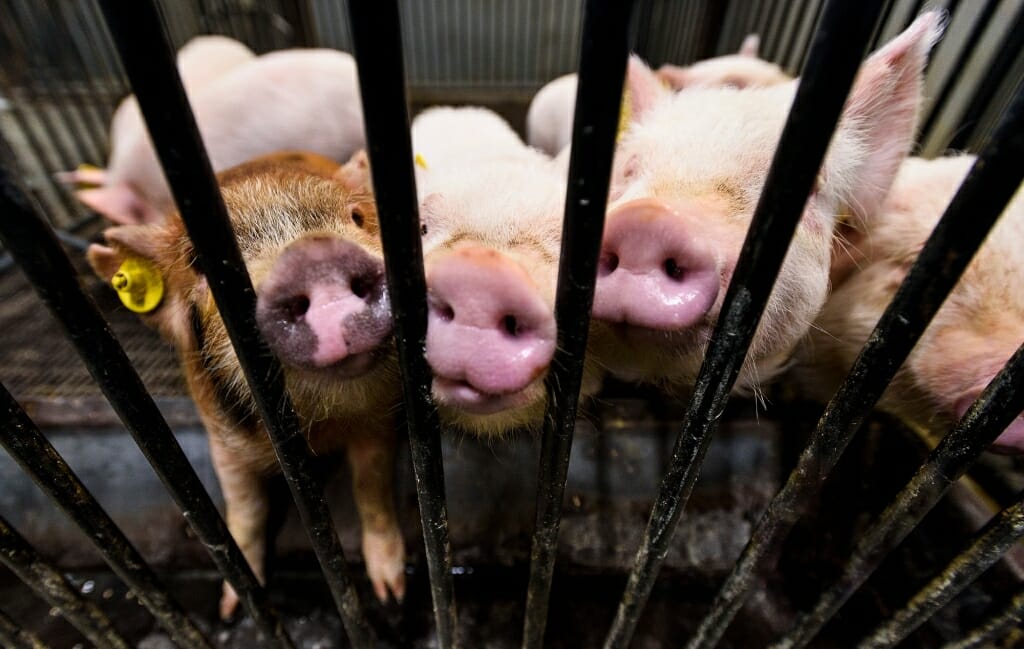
(686,178)
(491,211)
(305,99)
(974,333)
(308,235)
(549,119)
(200,61)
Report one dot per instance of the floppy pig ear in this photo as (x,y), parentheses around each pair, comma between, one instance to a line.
(120,203)
(644,87)
(882,111)
(751,44)
(125,241)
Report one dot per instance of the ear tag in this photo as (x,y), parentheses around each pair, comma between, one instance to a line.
(625,114)
(81,184)
(138,284)
(420,161)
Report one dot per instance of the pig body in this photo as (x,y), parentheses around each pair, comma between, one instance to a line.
(308,238)
(973,334)
(549,119)
(292,99)
(492,214)
(687,176)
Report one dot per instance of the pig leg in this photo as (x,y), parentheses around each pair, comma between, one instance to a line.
(372,460)
(246,503)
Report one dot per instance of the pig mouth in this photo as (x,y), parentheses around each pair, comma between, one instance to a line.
(463,395)
(348,368)
(1010,441)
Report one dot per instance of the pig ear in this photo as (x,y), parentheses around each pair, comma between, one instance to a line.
(124,241)
(750,46)
(644,87)
(882,111)
(83,177)
(673,76)
(355,174)
(120,203)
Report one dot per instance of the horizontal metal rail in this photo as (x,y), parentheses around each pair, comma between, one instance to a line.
(50,584)
(836,53)
(377,38)
(37,251)
(148,60)
(988,546)
(37,457)
(604,50)
(972,212)
(14,637)
(993,627)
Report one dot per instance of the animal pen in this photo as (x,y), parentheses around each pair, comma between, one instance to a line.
(645,523)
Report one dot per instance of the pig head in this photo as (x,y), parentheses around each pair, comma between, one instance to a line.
(971,337)
(738,70)
(687,176)
(307,233)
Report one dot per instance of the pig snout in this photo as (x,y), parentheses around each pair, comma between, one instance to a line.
(655,271)
(1010,441)
(324,305)
(490,334)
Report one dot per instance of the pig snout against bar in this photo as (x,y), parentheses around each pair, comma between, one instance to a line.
(842,35)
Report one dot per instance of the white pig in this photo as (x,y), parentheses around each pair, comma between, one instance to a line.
(687,176)
(549,119)
(288,100)
(491,209)
(973,334)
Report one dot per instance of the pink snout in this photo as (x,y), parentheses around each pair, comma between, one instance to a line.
(1010,441)
(490,334)
(324,305)
(655,271)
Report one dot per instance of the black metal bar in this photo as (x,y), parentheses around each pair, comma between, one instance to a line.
(995,75)
(993,627)
(50,584)
(14,637)
(37,457)
(971,213)
(986,548)
(997,406)
(377,40)
(37,251)
(836,53)
(604,51)
(966,52)
(148,59)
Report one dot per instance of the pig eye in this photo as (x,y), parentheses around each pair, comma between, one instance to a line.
(423,229)
(358,218)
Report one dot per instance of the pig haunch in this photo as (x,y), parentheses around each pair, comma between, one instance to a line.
(286,100)
(973,334)
(307,233)
(686,179)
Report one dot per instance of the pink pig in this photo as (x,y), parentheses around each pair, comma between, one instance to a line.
(687,176)
(973,334)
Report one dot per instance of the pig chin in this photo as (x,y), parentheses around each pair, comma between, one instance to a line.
(462,396)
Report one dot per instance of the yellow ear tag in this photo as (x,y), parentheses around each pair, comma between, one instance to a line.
(625,114)
(138,284)
(420,162)
(83,184)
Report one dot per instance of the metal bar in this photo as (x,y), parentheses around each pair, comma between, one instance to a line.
(971,213)
(37,457)
(14,637)
(50,584)
(36,250)
(377,40)
(993,627)
(995,74)
(966,52)
(148,59)
(988,546)
(990,414)
(836,53)
(604,51)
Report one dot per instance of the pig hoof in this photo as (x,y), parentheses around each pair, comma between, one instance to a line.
(384,554)
(228,603)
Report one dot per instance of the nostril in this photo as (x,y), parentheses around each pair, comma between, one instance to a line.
(360,286)
(443,310)
(511,326)
(673,270)
(607,264)
(295,307)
